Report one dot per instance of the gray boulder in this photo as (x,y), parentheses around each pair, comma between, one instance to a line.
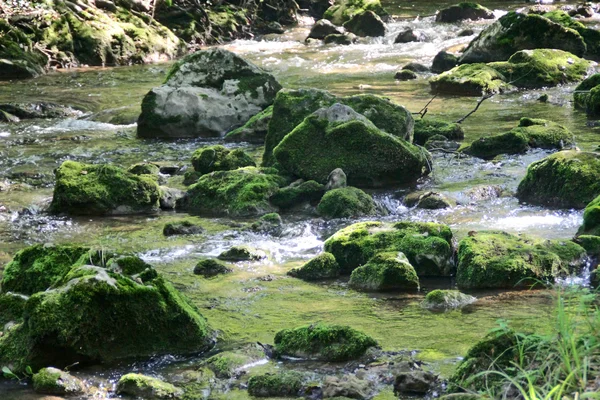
(323,28)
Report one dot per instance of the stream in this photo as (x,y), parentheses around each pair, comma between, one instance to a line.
(258,299)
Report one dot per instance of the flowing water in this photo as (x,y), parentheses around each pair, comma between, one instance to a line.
(258,300)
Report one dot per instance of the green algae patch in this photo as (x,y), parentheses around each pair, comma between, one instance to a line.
(428,246)
(323,266)
(494,259)
(470,80)
(146,387)
(283,384)
(425,129)
(345,203)
(343,11)
(86,189)
(219,158)
(323,342)
(241,192)
(384,272)
(567,179)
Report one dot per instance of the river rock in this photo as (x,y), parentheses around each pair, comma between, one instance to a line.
(416,67)
(343,10)
(156,319)
(144,168)
(414,382)
(463,11)
(219,158)
(210,268)
(344,39)
(271,224)
(315,8)
(591,219)
(39,110)
(512,142)
(405,75)
(54,381)
(385,271)
(206,94)
(253,131)
(322,28)
(101,189)
(446,299)
(298,193)
(366,23)
(18,58)
(146,387)
(348,202)
(494,259)
(242,253)
(347,387)
(428,200)
(587,95)
(336,180)
(283,384)
(470,80)
(228,364)
(567,179)
(241,192)
(428,246)
(590,36)
(516,31)
(320,267)
(291,107)
(443,61)
(337,137)
(409,35)
(183,227)
(323,342)
(426,128)
(169,197)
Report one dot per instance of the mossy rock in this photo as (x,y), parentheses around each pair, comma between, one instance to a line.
(241,192)
(338,137)
(323,342)
(514,32)
(18,57)
(495,259)
(284,384)
(183,227)
(425,129)
(428,246)
(591,244)
(253,131)
(242,253)
(210,268)
(344,10)
(86,189)
(219,158)
(446,299)
(225,364)
(128,265)
(123,317)
(56,382)
(463,11)
(587,95)
(384,272)
(291,107)
(470,80)
(348,202)
(405,75)
(12,306)
(323,266)
(297,194)
(365,24)
(540,68)
(567,179)
(271,224)
(147,387)
(590,36)
(545,134)
(144,169)
(591,219)
(443,61)
(511,142)
(38,267)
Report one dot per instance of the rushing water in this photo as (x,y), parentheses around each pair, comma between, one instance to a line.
(249,308)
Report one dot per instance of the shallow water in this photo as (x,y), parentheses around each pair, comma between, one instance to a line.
(247,307)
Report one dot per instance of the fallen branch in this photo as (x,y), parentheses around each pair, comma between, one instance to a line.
(424,109)
(484,98)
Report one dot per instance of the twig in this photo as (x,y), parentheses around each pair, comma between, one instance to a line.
(484,98)
(424,109)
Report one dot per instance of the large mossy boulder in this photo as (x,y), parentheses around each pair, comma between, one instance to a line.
(96,314)
(515,31)
(18,57)
(587,95)
(322,342)
(384,272)
(494,259)
(241,192)
(590,36)
(470,80)
(511,142)
(147,387)
(567,179)
(365,24)
(291,107)
(348,202)
(220,158)
(323,266)
(344,10)
(102,189)
(206,94)
(339,137)
(428,246)
(425,129)
(464,11)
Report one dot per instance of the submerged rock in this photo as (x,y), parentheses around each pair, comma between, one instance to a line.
(425,129)
(206,94)
(183,227)
(323,28)
(337,137)
(242,253)
(385,271)
(348,202)
(494,259)
(323,342)
(253,131)
(219,158)
(86,189)
(446,299)
(567,179)
(514,32)
(443,61)
(323,266)
(463,11)
(364,24)
(146,387)
(405,75)
(210,268)
(284,384)
(54,381)
(344,10)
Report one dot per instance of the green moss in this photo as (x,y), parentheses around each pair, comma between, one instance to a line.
(470,80)
(591,219)
(56,382)
(209,268)
(545,134)
(183,227)
(567,179)
(242,253)
(269,223)
(343,11)
(385,271)
(224,364)
(562,18)
(425,129)
(346,203)
(253,131)
(36,268)
(428,246)
(241,192)
(128,265)
(275,385)
(512,142)
(11,307)
(323,266)
(446,299)
(323,342)
(220,158)
(591,244)
(493,259)
(586,95)
(144,169)
(146,387)
(293,195)
(102,189)
(18,57)
(365,24)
